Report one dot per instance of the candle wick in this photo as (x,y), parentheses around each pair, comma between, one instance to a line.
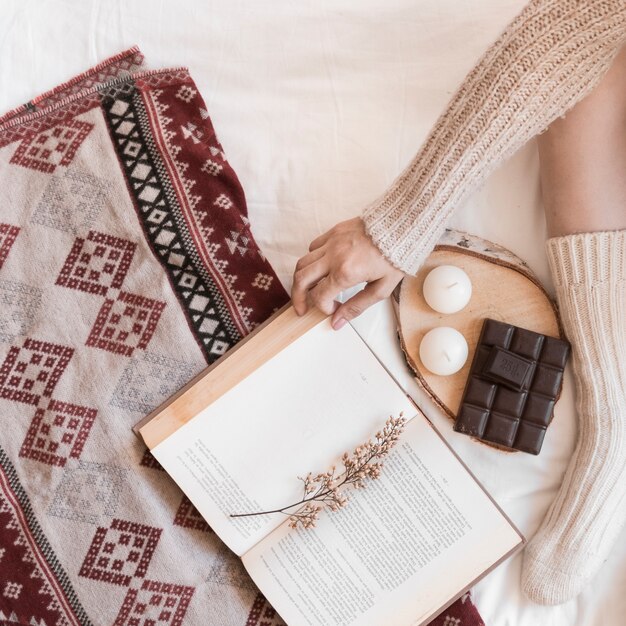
(447,356)
(452,285)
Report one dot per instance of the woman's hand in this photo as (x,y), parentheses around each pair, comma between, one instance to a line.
(339,259)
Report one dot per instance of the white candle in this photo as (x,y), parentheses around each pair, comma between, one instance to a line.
(447,289)
(443,350)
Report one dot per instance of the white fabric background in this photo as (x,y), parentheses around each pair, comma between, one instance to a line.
(319,104)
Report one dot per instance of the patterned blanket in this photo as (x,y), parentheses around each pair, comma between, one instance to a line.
(126,266)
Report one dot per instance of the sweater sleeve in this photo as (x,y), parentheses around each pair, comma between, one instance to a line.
(546,60)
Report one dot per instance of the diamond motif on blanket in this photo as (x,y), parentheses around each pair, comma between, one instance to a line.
(32,371)
(46,150)
(263,614)
(58,433)
(187,516)
(149,379)
(125,324)
(12,590)
(262,281)
(212,167)
(8,233)
(88,492)
(71,203)
(186,93)
(223,201)
(19,308)
(97,263)
(155,604)
(120,552)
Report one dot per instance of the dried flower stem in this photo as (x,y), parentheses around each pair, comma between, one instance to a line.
(325,489)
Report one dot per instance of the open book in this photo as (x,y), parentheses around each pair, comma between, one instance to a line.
(290,399)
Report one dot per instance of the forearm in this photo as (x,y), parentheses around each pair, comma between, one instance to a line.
(582,158)
(546,60)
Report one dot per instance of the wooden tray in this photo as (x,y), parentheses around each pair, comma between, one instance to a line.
(503,288)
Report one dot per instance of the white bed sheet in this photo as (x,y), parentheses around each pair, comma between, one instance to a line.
(319,104)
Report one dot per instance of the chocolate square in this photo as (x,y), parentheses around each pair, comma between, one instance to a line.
(539,409)
(514,381)
(472,421)
(480,392)
(508,369)
(509,402)
(553,353)
(496,334)
(501,429)
(547,380)
(526,343)
(480,356)
(529,437)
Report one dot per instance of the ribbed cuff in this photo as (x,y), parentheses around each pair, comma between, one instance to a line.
(401,241)
(588,258)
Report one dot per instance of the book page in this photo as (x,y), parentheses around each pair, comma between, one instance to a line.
(300,411)
(402,548)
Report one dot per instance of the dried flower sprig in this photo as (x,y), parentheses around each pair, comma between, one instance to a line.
(326,489)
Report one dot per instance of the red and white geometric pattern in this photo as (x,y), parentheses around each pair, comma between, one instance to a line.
(212,167)
(97,263)
(147,460)
(262,281)
(223,201)
(58,433)
(8,233)
(33,588)
(120,552)
(32,371)
(186,93)
(125,324)
(262,613)
(155,604)
(187,516)
(217,207)
(46,150)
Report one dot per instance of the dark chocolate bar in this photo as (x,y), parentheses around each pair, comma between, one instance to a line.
(513,384)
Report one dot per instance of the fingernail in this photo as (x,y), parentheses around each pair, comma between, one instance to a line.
(340,323)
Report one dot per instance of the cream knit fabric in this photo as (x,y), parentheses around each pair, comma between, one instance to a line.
(549,57)
(582,524)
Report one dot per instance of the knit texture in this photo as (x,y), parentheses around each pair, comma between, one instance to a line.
(546,60)
(577,534)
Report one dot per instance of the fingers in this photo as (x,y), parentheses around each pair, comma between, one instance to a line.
(372,293)
(309,258)
(324,293)
(319,241)
(303,280)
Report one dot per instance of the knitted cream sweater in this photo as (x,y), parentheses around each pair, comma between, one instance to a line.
(547,59)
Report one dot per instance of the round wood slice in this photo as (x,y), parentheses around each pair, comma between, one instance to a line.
(503,288)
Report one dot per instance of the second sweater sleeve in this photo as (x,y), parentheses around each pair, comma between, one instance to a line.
(546,60)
